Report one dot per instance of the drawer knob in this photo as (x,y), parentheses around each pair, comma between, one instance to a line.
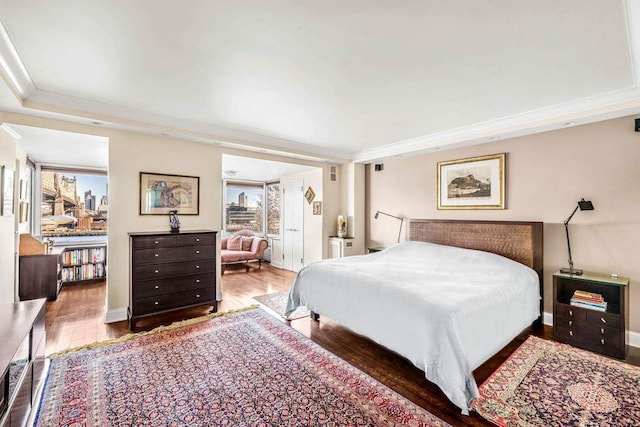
(197,239)
(198,296)
(157,287)
(156,242)
(570,312)
(603,320)
(602,331)
(155,271)
(197,280)
(602,341)
(156,255)
(570,322)
(156,303)
(571,333)
(197,266)
(197,252)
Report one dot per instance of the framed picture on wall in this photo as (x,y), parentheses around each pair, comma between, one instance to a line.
(317,208)
(472,183)
(7,191)
(161,193)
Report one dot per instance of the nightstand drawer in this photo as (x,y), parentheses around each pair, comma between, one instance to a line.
(571,312)
(603,318)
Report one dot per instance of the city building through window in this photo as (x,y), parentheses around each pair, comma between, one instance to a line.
(73,203)
(244,207)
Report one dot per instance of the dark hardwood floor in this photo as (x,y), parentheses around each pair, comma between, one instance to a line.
(77,318)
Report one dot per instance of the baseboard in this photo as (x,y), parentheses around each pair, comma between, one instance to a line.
(633,338)
(115,315)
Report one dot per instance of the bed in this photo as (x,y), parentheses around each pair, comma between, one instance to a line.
(447,299)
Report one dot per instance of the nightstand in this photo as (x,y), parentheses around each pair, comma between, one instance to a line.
(376,249)
(599,331)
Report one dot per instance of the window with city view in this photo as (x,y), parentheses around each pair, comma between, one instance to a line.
(73,204)
(273,208)
(244,207)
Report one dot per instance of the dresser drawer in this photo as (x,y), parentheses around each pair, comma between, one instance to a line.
(173,269)
(571,312)
(196,239)
(154,241)
(169,301)
(149,288)
(603,318)
(160,254)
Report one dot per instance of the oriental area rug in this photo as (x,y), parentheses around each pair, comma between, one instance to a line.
(277,302)
(545,383)
(244,368)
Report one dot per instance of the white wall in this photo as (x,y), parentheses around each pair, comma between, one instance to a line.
(314,235)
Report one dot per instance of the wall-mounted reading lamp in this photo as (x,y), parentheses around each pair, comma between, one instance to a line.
(392,216)
(583,205)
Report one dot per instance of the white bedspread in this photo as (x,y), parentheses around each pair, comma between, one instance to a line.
(445,309)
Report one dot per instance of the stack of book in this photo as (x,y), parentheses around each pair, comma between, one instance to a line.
(588,300)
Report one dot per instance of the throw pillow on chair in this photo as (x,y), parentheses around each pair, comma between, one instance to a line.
(234,243)
(246,243)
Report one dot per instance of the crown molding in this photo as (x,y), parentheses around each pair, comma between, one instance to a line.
(632,12)
(613,105)
(13,68)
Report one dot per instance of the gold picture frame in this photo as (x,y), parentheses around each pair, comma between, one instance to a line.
(317,208)
(472,183)
(309,195)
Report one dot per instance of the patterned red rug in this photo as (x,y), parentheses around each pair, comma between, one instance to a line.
(245,368)
(545,383)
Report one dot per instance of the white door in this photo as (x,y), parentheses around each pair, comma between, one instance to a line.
(292,224)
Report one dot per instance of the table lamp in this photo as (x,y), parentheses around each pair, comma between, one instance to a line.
(583,205)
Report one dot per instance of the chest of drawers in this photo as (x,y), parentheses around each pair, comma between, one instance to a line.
(171,271)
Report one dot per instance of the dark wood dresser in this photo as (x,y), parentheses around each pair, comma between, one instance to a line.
(22,360)
(170,271)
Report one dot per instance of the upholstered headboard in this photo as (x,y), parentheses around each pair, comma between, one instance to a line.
(517,240)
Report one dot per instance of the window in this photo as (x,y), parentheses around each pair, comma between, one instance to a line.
(244,207)
(273,208)
(73,203)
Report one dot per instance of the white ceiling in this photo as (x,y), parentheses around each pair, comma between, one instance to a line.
(252,169)
(355,79)
(54,147)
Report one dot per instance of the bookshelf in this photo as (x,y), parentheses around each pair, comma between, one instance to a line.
(601,331)
(81,264)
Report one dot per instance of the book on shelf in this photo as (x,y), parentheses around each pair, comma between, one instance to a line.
(588,296)
(591,305)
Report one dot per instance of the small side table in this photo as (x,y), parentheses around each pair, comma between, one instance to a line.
(376,249)
(599,331)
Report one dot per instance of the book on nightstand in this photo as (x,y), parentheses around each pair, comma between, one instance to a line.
(589,300)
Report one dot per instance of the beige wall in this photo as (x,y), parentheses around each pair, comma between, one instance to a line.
(130,154)
(546,175)
(7,226)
